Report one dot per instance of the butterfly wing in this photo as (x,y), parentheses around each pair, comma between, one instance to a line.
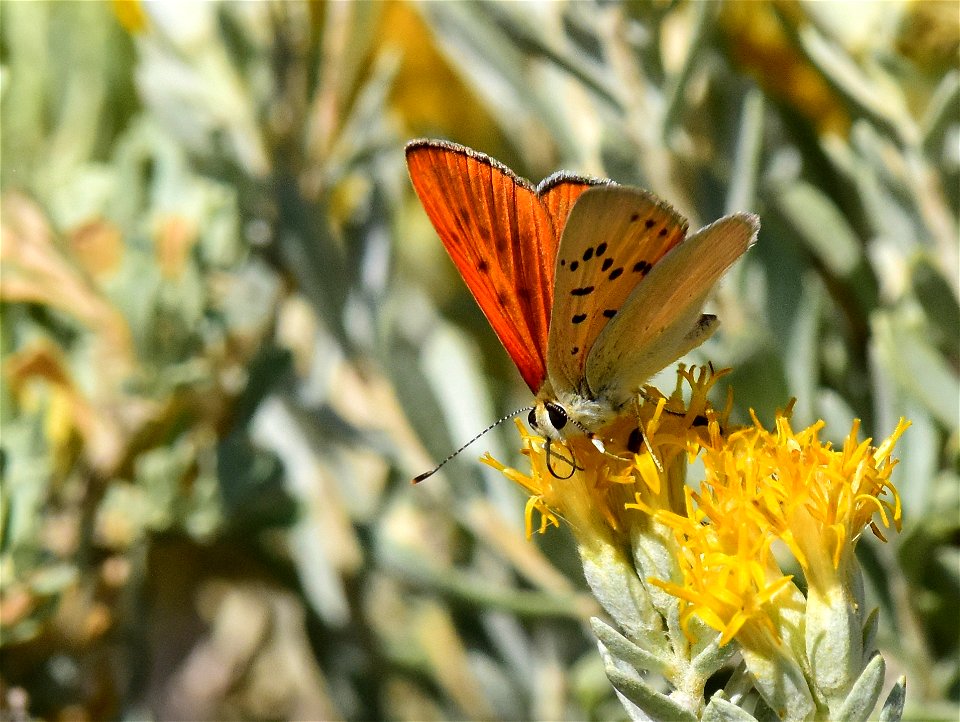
(661,320)
(502,234)
(560,192)
(614,235)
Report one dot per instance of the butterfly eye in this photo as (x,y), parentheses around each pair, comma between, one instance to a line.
(558,417)
(532,419)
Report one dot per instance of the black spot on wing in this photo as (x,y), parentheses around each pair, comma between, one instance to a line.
(642,267)
(662,232)
(588,254)
(607,262)
(601,249)
(615,273)
(575,350)
(562,263)
(649,223)
(610,312)
(579,318)
(574,265)
(483,266)
(634,217)
(584,291)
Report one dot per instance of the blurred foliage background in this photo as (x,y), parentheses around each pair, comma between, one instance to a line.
(230,336)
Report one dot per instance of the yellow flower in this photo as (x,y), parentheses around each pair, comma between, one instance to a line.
(597,492)
(682,570)
(763,486)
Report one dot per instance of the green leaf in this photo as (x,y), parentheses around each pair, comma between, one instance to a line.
(704,16)
(653,703)
(712,657)
(742,194)
(720,709)
(866,96)
(870,627)
(866,690)
(892,710)
(821,226)
(941,112)
(801,361)
(626,651)
(918,367)
(939,303)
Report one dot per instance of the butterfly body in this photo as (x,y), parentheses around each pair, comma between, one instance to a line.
(591,287)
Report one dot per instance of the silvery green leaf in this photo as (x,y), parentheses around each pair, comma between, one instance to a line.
(720,709)
(531,38)
(870,627)
(833,636)
(704,16)
(935,295)
(947,563)
(492,46)
(892,710)
(821,225)
(712,657)
(801,360)
(866,690)
(653,555)
(451,368)
(842,72)
(739,685)
(782,684)
(918,367)
(746,165)
(658,706)
(941,111)
(626,651)
(764,713)
(613,580)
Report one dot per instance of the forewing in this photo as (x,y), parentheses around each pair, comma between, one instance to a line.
(613,236)
(661,320)
(501,237)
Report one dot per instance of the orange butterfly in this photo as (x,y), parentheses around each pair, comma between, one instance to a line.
(590,286)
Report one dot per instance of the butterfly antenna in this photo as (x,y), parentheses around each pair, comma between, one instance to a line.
(426,475)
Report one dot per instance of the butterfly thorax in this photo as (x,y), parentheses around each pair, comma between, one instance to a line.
(561,415)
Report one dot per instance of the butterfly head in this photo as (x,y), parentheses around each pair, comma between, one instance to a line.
(550,419)
(563,416)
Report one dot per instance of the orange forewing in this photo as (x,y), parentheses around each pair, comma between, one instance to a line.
(502,234)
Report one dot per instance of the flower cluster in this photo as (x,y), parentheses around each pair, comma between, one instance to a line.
(692,576)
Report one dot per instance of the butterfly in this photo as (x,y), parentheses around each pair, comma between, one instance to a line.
(592,287)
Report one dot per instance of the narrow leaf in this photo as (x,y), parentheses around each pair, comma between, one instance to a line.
(651,702)
(893,706)
(720,709)
(866,691)
(626,651)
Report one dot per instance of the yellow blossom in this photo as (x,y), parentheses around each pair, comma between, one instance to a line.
(682,569)
(761,487)
(598,492)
